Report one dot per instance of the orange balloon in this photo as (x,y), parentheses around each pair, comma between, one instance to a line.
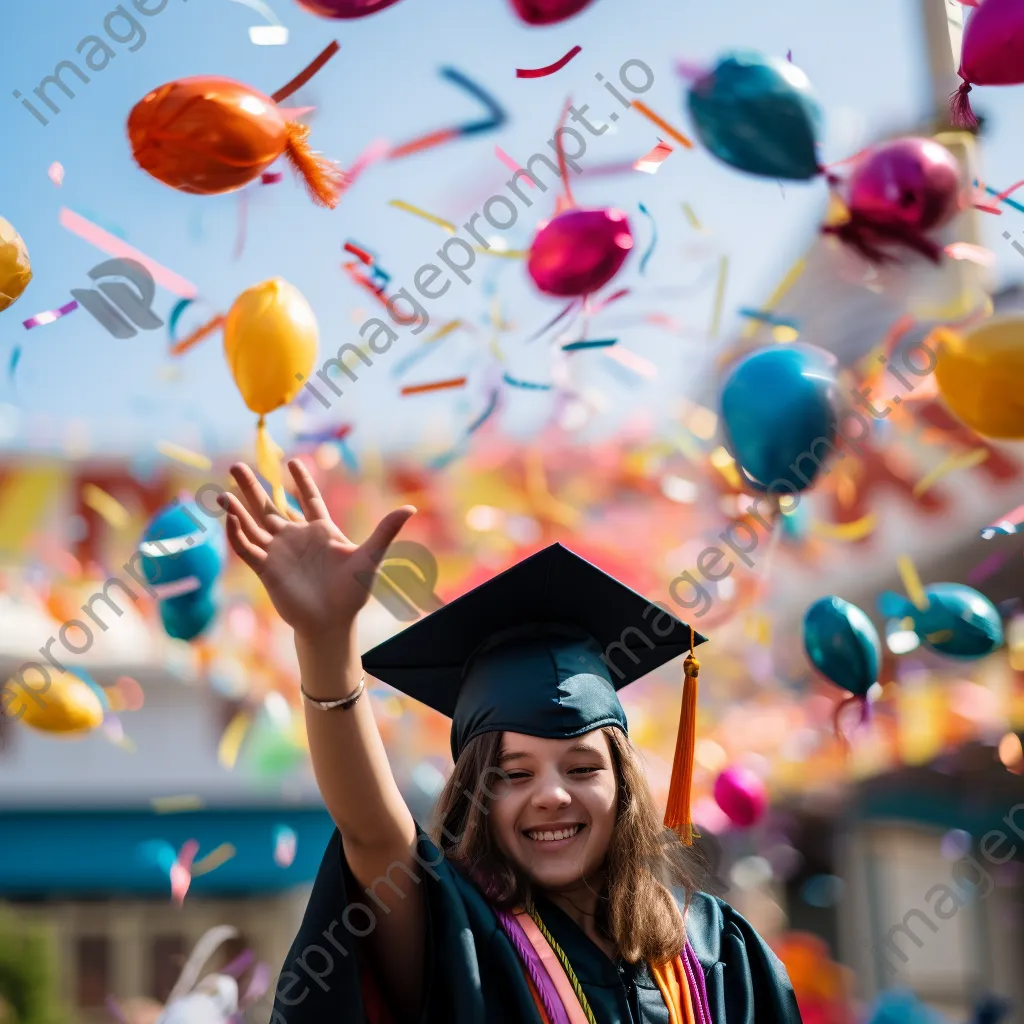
(208,135)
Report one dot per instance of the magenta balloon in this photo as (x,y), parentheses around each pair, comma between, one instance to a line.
(993,46)
(345,9)
(547,12)
(912,184)
(579,251)
(742,796)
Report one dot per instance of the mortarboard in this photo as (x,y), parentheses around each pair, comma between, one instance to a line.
(541,649)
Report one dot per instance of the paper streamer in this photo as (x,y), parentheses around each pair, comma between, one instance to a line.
(575,346)
(231,740)
(1006,525)
(692,218)
(716,313)
(549,69)
(962,460)
(400,204)
(766,317)
(631,361)
(513,166)
(987,567)
(912,582)
(181,871)
(437,385)
(650,163)
(495,119)
(492,404)
(106,242)
(49,315)
(183,455)
(526,384)
(306,73)
(216,858)
(105,506)
(177,804)
(654,238)
(857,530)
(642,108)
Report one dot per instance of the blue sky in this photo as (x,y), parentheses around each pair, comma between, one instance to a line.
(865,60)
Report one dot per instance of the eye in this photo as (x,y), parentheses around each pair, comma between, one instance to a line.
(517,775)
(588,769)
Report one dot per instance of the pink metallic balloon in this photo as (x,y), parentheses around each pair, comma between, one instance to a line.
(579,251)
(898,193)
(992,53)
(345,9)
(547,12)
(742,796)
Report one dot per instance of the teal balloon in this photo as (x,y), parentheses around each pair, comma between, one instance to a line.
(188,616)
(958,622)
(779,411)
(843,644)
(181,541)
(759,114)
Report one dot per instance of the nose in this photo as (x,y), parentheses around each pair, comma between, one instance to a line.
(549,794)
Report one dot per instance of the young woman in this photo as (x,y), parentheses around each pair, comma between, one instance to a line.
(549,893)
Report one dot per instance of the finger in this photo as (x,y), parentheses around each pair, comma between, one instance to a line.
(253,532)
(256,499)
(310,499)
(387,530)
(253,556)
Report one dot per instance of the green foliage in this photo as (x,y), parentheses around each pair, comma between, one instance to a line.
(28,973)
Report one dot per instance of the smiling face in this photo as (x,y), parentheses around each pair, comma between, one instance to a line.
(553,818)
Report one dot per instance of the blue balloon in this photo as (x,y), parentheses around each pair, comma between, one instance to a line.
(843,644)
(958,622)
(759,114)
(186,617)
(182,541)
(779,411)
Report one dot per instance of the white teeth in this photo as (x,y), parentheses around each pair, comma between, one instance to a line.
(562,833)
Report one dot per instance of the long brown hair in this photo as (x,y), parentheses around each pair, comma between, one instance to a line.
(635,908)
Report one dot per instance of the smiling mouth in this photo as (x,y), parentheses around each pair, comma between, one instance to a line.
(553,835)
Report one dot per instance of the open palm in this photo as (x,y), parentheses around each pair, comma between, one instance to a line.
(315,576)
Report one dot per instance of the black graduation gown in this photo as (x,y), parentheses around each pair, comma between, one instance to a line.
(474,975)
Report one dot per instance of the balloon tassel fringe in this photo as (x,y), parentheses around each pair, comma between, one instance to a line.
(960,110)
(323,179)
(268,462)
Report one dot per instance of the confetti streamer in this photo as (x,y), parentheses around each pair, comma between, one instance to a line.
(177,804)
(404,365)
(995,192)
(105,242)
(857,530)
(1006,525)
(574,346)
(764,316)
(105,506)
(492,404)
(285,846)
(526,384)
(716,315)
(692,218)
(49,315)
(271,177)
(214,859)
(400,204)
(437,385)
(563,170)
(549,69)
(912,582)
(188,458)
(512,165)
(198,335)
(496,118)
(56,173)
(306,73)
(962,460)
(972,253)
(631,361)
(792,276)
(642,108)
(649,164)
(654,238)
(324,436)
(181,871)
(987,567)
(560,316)
(13,364)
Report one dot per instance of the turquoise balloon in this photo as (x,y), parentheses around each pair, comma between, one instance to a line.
(188,617)
(181,541)
(759,114)
(958,622)
(843,644)
(779,411)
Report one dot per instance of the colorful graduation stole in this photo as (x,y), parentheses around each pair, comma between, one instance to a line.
(558,994)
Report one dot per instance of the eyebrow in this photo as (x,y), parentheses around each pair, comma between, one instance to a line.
(517,755)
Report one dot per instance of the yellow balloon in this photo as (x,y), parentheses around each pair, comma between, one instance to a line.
(68,706)
(270,338)
(15,267)
(980,375)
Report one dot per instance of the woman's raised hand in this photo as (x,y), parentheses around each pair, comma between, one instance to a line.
(315,576)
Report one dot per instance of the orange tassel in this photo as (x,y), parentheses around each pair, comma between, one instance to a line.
(677,808)
(324,180)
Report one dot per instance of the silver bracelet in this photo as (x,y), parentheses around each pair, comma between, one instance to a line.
(345,704)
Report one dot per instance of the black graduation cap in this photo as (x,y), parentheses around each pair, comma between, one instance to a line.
(540,649)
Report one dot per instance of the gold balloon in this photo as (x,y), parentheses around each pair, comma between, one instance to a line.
(270,342)
(980,375)
(68,706)
(15,267)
